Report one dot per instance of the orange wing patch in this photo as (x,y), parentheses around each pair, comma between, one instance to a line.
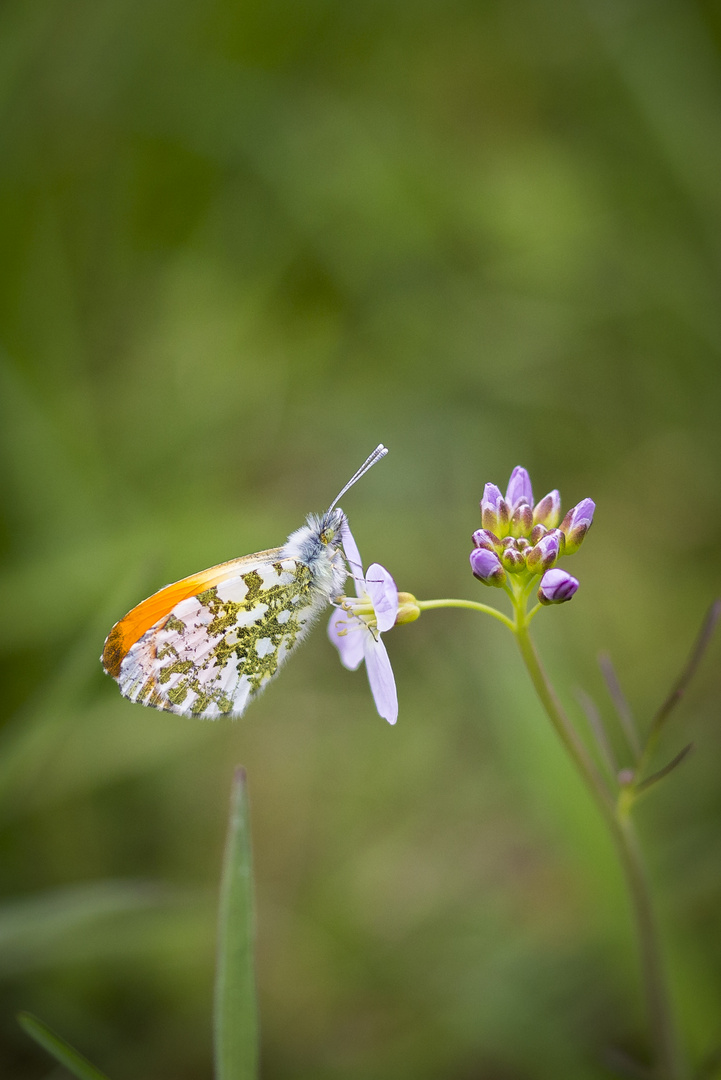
(132,626)
(209,644)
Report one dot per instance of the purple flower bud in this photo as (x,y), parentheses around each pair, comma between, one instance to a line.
(494,510)
(545,553)
(536,533)
(513,560)
(556,587)
(576,524)
(522,520)
(486,566)
(484,538)
(548,510)
(519,488)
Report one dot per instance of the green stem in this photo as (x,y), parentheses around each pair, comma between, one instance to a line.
(669,1064)
(427,605)
(564,728)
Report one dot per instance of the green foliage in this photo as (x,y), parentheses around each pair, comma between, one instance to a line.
(243,244)
(236,1011)
(65,1054)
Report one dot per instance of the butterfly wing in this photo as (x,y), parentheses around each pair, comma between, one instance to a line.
(207,645)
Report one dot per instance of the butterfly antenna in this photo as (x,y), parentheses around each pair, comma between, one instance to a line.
(379,452)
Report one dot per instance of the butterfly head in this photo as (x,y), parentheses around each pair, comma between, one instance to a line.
(330,528)
(318,543)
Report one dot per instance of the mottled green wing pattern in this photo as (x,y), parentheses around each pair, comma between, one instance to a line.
(213,653)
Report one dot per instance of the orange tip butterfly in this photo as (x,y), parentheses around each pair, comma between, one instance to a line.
(207,645)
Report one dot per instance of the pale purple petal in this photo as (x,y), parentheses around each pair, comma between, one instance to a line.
(491,497)
(486,566)
(519,488)
(353,558)
(380,676)
(494,510)
(576,524)
(583,513)
(556,587)
(347,634)
(383,592)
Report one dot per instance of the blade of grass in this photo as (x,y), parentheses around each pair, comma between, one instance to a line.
(63,1052)
(236,1013)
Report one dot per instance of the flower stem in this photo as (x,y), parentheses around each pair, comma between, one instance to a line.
(427,605)
(564,728)
(669,1063)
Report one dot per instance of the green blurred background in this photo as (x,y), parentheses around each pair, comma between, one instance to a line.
(242,243)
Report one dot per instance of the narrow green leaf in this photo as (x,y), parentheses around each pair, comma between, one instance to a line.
(63,1052)
(236,1013)
(595,721)
(673,764)
(623,709)
(699,648)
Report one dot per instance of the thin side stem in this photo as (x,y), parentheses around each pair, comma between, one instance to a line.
(427,605)
(533,611)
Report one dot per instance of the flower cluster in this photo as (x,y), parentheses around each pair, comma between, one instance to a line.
(523,539)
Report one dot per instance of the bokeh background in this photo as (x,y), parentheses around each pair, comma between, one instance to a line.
(242,243)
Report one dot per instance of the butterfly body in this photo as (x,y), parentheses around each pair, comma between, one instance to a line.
(208,645)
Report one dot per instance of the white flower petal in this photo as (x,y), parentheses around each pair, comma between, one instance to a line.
(347,634)
(383,592)
(380,676)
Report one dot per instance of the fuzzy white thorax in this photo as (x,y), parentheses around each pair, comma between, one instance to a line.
(323,557)
(318,543)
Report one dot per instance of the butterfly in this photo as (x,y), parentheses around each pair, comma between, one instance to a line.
(207,645)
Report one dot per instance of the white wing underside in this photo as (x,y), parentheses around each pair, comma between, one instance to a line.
(215,652)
